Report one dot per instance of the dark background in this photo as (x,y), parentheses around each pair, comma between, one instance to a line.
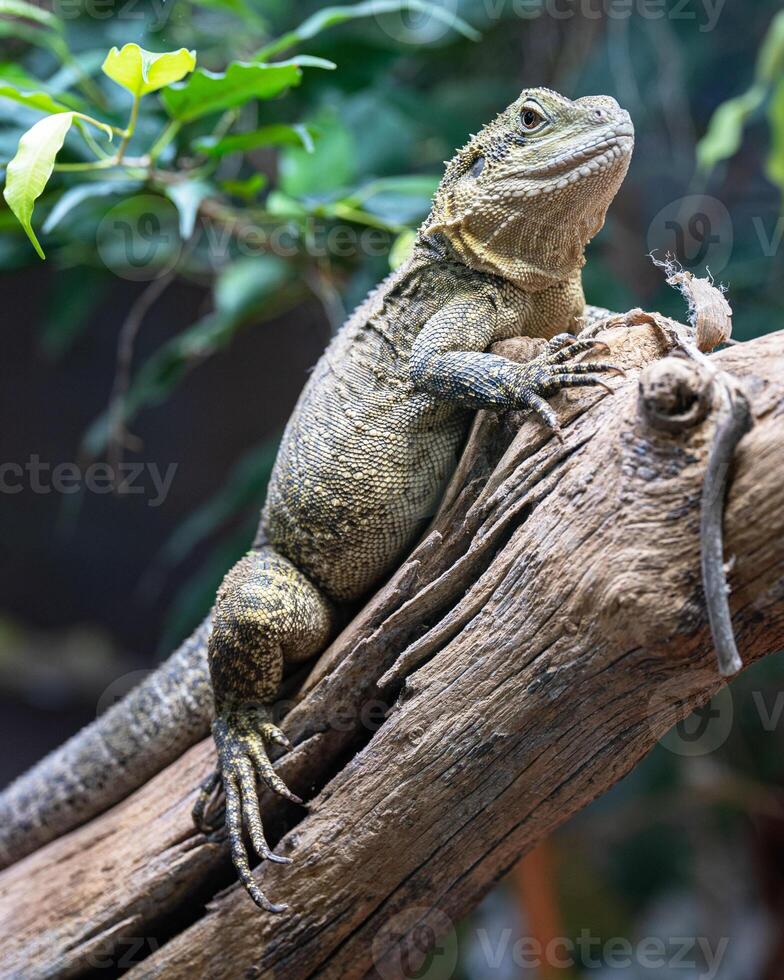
(95,587)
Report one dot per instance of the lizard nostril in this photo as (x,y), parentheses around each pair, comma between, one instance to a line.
(598,114)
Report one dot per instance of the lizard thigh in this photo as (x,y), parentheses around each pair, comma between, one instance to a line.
(266,613)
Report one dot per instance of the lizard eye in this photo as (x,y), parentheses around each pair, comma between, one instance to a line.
(530,119)
(477,167)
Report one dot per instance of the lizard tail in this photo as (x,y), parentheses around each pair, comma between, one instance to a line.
(127,745)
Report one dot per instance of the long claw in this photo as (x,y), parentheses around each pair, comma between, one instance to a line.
(544,411)
(234,827)
(588,367)
(279,858)
(242,734)
(556,369)
(239,854)
(252,816)
(271,779)
(220,834)
(559,341)
(198,813)
(567,352)
(271,733)
(582,380)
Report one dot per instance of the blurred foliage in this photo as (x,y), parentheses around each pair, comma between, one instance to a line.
(242,161)
(256,169)
(196,146)
(725,130)
(268,194)
(186,150)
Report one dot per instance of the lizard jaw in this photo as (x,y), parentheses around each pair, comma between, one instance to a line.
(616,143)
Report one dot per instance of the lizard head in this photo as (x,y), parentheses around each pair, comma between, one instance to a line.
(526,194)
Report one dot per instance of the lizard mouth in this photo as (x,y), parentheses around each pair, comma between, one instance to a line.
(591,158)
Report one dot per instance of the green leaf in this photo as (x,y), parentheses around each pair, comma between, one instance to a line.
(206,92)
(74,196)
(46,29)
(248,284)
(275,134)
(775,162)
(399,199)
(284,206)
(770,60)
(247,189)
(331,166)
(401,248)
(141,72)
(17,76)
(29,171)
(332,16)
(35,34)
(186,196)
(725,128)
(33,100)
(19,8)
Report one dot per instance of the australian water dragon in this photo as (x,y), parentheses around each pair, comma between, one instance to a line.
(364,458)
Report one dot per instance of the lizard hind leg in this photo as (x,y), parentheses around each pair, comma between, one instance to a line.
(266,613)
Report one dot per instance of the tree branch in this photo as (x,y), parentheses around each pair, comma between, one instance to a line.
(545,633)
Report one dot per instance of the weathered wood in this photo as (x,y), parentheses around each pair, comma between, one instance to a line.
(555,614)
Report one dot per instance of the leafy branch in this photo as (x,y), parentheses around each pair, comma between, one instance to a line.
(724,134)
(157,166)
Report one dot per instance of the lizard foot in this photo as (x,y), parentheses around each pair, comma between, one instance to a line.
(555,369)
(207,819)
(242,735)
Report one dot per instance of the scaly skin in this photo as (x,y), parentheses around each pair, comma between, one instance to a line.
(378,429)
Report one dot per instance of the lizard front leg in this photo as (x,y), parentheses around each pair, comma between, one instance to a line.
(266,613)
(448,360)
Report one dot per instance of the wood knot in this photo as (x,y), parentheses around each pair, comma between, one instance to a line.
(675,394)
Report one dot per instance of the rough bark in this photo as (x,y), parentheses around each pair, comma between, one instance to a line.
(546,632)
